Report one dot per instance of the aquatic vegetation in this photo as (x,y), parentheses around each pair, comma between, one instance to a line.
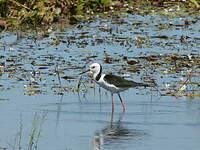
(152,48)
(29,141)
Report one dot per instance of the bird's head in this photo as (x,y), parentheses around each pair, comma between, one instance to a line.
(94,69)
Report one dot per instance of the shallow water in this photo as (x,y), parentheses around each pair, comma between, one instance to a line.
(31,86)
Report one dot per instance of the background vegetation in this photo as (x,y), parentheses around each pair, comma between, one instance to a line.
(37,12)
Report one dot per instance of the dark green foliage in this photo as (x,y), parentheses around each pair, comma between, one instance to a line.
(37,12)
(4,9)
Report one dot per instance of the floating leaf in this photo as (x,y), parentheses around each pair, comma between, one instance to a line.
(69,77)
(190,95)
(33,92)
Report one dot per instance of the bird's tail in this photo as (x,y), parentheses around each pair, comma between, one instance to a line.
(146,85)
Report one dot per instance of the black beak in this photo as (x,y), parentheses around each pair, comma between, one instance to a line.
(84,72)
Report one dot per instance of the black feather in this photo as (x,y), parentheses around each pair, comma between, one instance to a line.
(99,75)
(121,82)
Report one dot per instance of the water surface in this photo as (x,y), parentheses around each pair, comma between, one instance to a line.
(33,63)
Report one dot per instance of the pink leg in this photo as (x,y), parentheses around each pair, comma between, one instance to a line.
(123,106)
(112,116)
(113,107)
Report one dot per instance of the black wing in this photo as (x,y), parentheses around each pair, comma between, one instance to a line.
(121,82)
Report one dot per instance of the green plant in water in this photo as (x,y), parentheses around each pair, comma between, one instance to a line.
(34,135)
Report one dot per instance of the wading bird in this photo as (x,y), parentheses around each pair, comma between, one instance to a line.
(112,83)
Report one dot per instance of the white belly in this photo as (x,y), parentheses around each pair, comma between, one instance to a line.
(109,87)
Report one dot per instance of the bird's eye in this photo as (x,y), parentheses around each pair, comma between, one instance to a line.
(93,67)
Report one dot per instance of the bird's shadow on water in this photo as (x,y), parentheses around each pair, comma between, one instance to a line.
(116,135)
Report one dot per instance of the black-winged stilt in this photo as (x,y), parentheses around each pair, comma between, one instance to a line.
(112,83)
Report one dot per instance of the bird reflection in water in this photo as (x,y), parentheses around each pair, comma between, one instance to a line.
(116,136)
